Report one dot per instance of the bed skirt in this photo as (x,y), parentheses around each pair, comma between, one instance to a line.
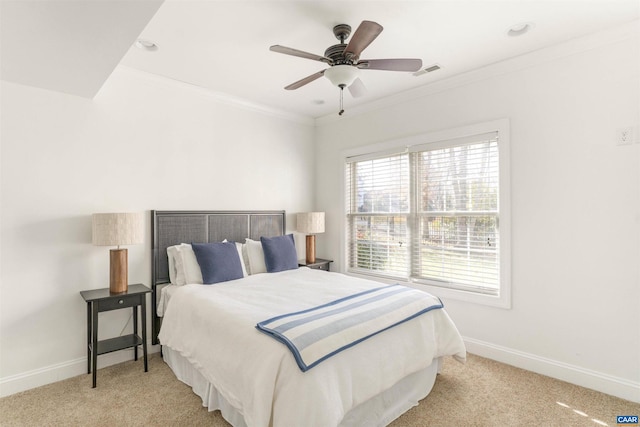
(380,410)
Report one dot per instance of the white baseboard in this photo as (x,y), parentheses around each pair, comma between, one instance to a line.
(594,380)
(604,383)
(61,371)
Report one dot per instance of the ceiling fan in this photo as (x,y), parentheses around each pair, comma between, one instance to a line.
(344,59)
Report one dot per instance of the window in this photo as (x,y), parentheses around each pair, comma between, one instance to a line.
(433,213)
(379,192)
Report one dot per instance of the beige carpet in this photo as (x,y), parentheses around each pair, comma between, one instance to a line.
(480,393)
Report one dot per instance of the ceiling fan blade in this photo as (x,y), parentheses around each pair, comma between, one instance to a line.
(304,81)
(364,35)
(357,88)
(398,64)
(299,53)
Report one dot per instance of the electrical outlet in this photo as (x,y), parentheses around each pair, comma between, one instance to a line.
(624,136)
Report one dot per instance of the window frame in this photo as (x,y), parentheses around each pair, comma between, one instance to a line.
(434,140)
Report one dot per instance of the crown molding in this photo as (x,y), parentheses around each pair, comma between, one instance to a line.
(517,63)
(218,97)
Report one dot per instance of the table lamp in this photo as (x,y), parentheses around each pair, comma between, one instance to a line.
(116,229)
(310,223)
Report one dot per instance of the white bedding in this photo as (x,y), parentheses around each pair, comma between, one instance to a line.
(164,296)
(213,327)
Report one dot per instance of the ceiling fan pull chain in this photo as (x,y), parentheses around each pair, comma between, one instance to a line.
(341,100)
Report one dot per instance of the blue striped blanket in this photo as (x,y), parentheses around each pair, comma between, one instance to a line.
(315,334)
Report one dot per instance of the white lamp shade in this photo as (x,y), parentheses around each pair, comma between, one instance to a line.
(310,222)
(342,74)
(115,229)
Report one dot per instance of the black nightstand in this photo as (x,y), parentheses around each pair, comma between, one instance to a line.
(102,300)
(320,264)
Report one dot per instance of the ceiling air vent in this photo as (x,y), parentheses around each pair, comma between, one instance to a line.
(430,69)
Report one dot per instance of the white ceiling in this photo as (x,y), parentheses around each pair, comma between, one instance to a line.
(224,45)
(68,46)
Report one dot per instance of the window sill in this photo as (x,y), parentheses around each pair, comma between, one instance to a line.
(501,301)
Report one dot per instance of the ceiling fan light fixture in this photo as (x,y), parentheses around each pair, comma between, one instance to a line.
(342,75)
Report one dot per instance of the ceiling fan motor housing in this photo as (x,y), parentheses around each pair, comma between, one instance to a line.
(336,54)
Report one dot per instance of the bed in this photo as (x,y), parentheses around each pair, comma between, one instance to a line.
(219,338)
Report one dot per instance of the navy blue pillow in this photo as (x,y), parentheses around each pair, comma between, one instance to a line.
(219,262)
(279,253)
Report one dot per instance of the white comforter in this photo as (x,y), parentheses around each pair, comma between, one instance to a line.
(214,328)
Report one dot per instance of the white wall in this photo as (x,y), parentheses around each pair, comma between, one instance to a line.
(575,207)
(143,143)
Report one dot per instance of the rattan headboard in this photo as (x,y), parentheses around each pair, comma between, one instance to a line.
(175,227)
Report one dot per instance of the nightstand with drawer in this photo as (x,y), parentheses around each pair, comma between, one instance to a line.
(100,300)
(320,264)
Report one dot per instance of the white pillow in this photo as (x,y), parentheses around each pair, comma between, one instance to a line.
(239,248)
(245,258)
(255,256)
(172,253)
(186,265)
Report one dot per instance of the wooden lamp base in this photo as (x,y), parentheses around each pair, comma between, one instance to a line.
(311,249)
(118,271)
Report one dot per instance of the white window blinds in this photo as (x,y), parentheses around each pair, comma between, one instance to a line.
(430,215)
(378,204)
(457,239)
